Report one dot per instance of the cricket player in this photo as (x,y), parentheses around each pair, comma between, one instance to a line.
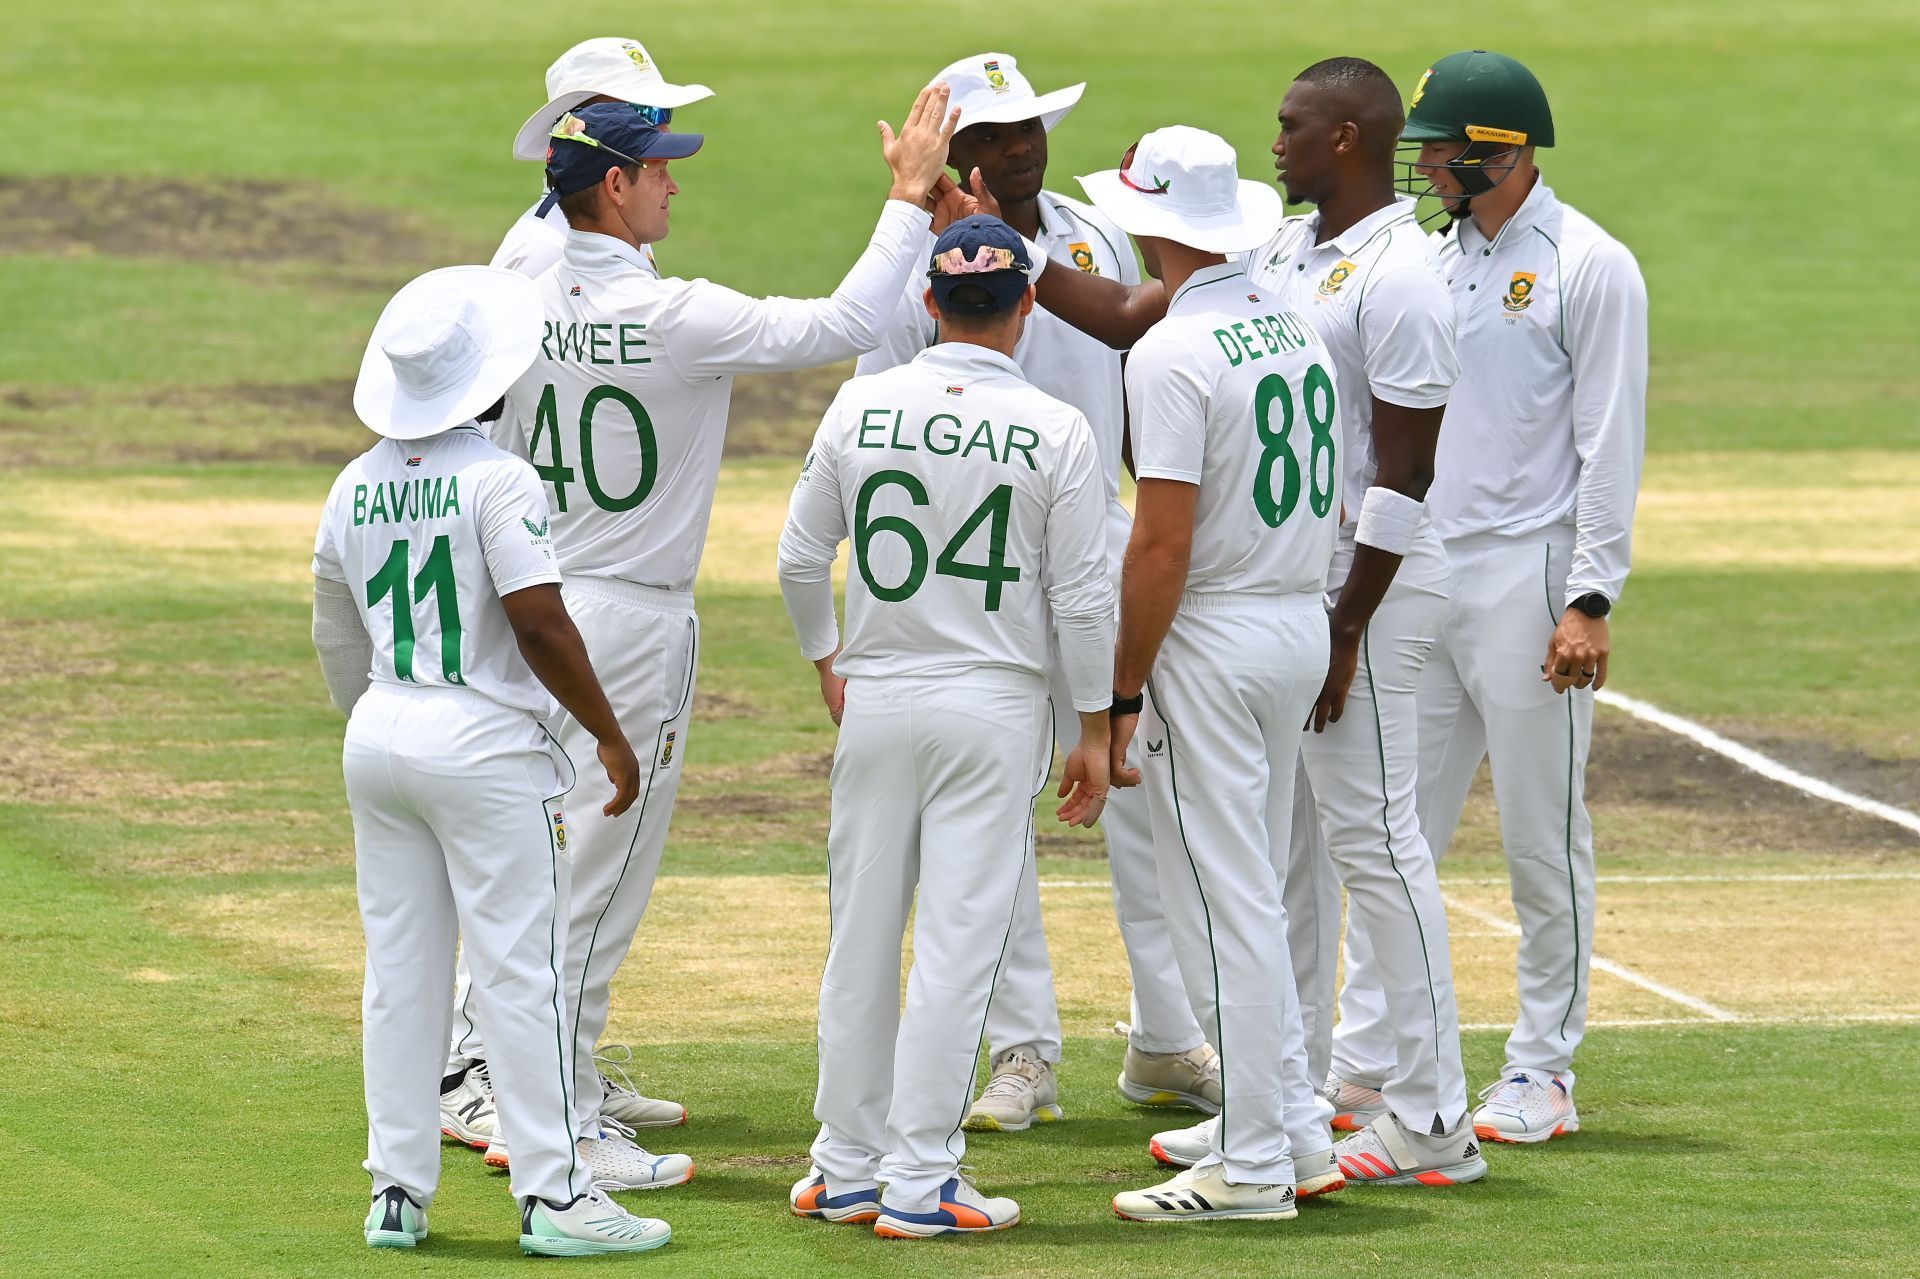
(440,627)
(609,69)
(623,415)
(1235,420)
(1362,273)
(1002,137)
(1536,476)
(606,69)
(977,512)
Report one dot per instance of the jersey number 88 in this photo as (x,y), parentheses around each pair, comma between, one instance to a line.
(1316,388)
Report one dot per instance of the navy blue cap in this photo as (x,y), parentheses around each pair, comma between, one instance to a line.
(983,252)
(590,140)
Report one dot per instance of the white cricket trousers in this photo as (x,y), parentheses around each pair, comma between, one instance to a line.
(933,785)
(1481,697)
(1024,1008)
(644,644)
(1359,830)
(455,825)
(1232,686)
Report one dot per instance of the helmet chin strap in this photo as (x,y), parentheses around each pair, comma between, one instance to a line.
(1470,169)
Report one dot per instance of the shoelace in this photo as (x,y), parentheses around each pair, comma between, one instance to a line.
(478,1070)
(1020,1075)
(612,1068)
(1510,1081)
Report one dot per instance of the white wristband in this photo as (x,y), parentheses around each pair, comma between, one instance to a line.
(1036,254)
(1388,520)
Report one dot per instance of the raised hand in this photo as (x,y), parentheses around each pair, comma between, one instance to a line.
(918,153)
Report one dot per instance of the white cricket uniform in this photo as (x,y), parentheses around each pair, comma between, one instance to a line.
(1534,489)
(537,239)
(1234,393)
(1085,372)
(532,245)
(975,507)
(453,784)
(1377,298)
(623,415)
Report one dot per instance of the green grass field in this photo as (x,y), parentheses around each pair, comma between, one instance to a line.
(207,204)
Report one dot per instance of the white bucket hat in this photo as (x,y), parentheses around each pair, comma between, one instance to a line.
(448,345)
(989,89)
(1184,185)
(616,67)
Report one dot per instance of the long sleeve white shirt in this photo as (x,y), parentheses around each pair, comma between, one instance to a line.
(624,411)
(1548,422)
(976,510)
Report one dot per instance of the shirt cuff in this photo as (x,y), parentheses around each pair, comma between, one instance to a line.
(1166,473)
(508,587)
(1410,399)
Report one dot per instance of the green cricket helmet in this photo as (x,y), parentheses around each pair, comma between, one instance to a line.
(1486,100)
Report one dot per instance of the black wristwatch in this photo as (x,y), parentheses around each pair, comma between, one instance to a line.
(1127,705)
(1593,604)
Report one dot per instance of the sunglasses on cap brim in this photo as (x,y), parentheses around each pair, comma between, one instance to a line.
(571,128)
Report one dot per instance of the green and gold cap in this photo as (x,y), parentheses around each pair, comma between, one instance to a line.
(1479,97)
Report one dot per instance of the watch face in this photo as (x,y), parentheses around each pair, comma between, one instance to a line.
(1594,604)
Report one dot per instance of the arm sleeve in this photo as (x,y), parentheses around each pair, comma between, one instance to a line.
(532,246)
(340,638)
(1406,322)
(1079,588)
(513,520)
(910,331)
(1166,412)
(816,525)
(1607,344)
(719,331)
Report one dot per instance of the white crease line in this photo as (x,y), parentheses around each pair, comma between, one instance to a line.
(1635,1023)
(1762,878)
(1501,881)
(1603,964)
(1747,757)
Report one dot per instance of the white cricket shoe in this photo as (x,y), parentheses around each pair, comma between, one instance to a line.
(1527,1106)
(1313,1174)
(1354,1105)
(395,1220)
(618,1164)
(1183,1147)
(1021,1092)
(1317,1174)
(1385,1153)
(961,1210)
(1191,1078)
(621,1101)
(1205,1194)
(496,1156)
(590,1224)
(809,1198)
(466,1107)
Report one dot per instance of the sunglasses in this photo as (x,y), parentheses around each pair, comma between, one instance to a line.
(572,128)
(985,259)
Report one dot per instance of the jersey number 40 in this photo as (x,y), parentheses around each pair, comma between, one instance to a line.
(994,511)
(555,471)
(1276,446)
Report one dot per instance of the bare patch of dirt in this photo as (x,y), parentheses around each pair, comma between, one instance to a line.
(735,804)
(1637,764)
(712,705)
(776,414)
(207,219)
(807,765)
(242,422)
(240,860)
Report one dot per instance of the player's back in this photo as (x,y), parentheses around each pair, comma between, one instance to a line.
(952,474)
(1235,393)
(626,442)
(428,534)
